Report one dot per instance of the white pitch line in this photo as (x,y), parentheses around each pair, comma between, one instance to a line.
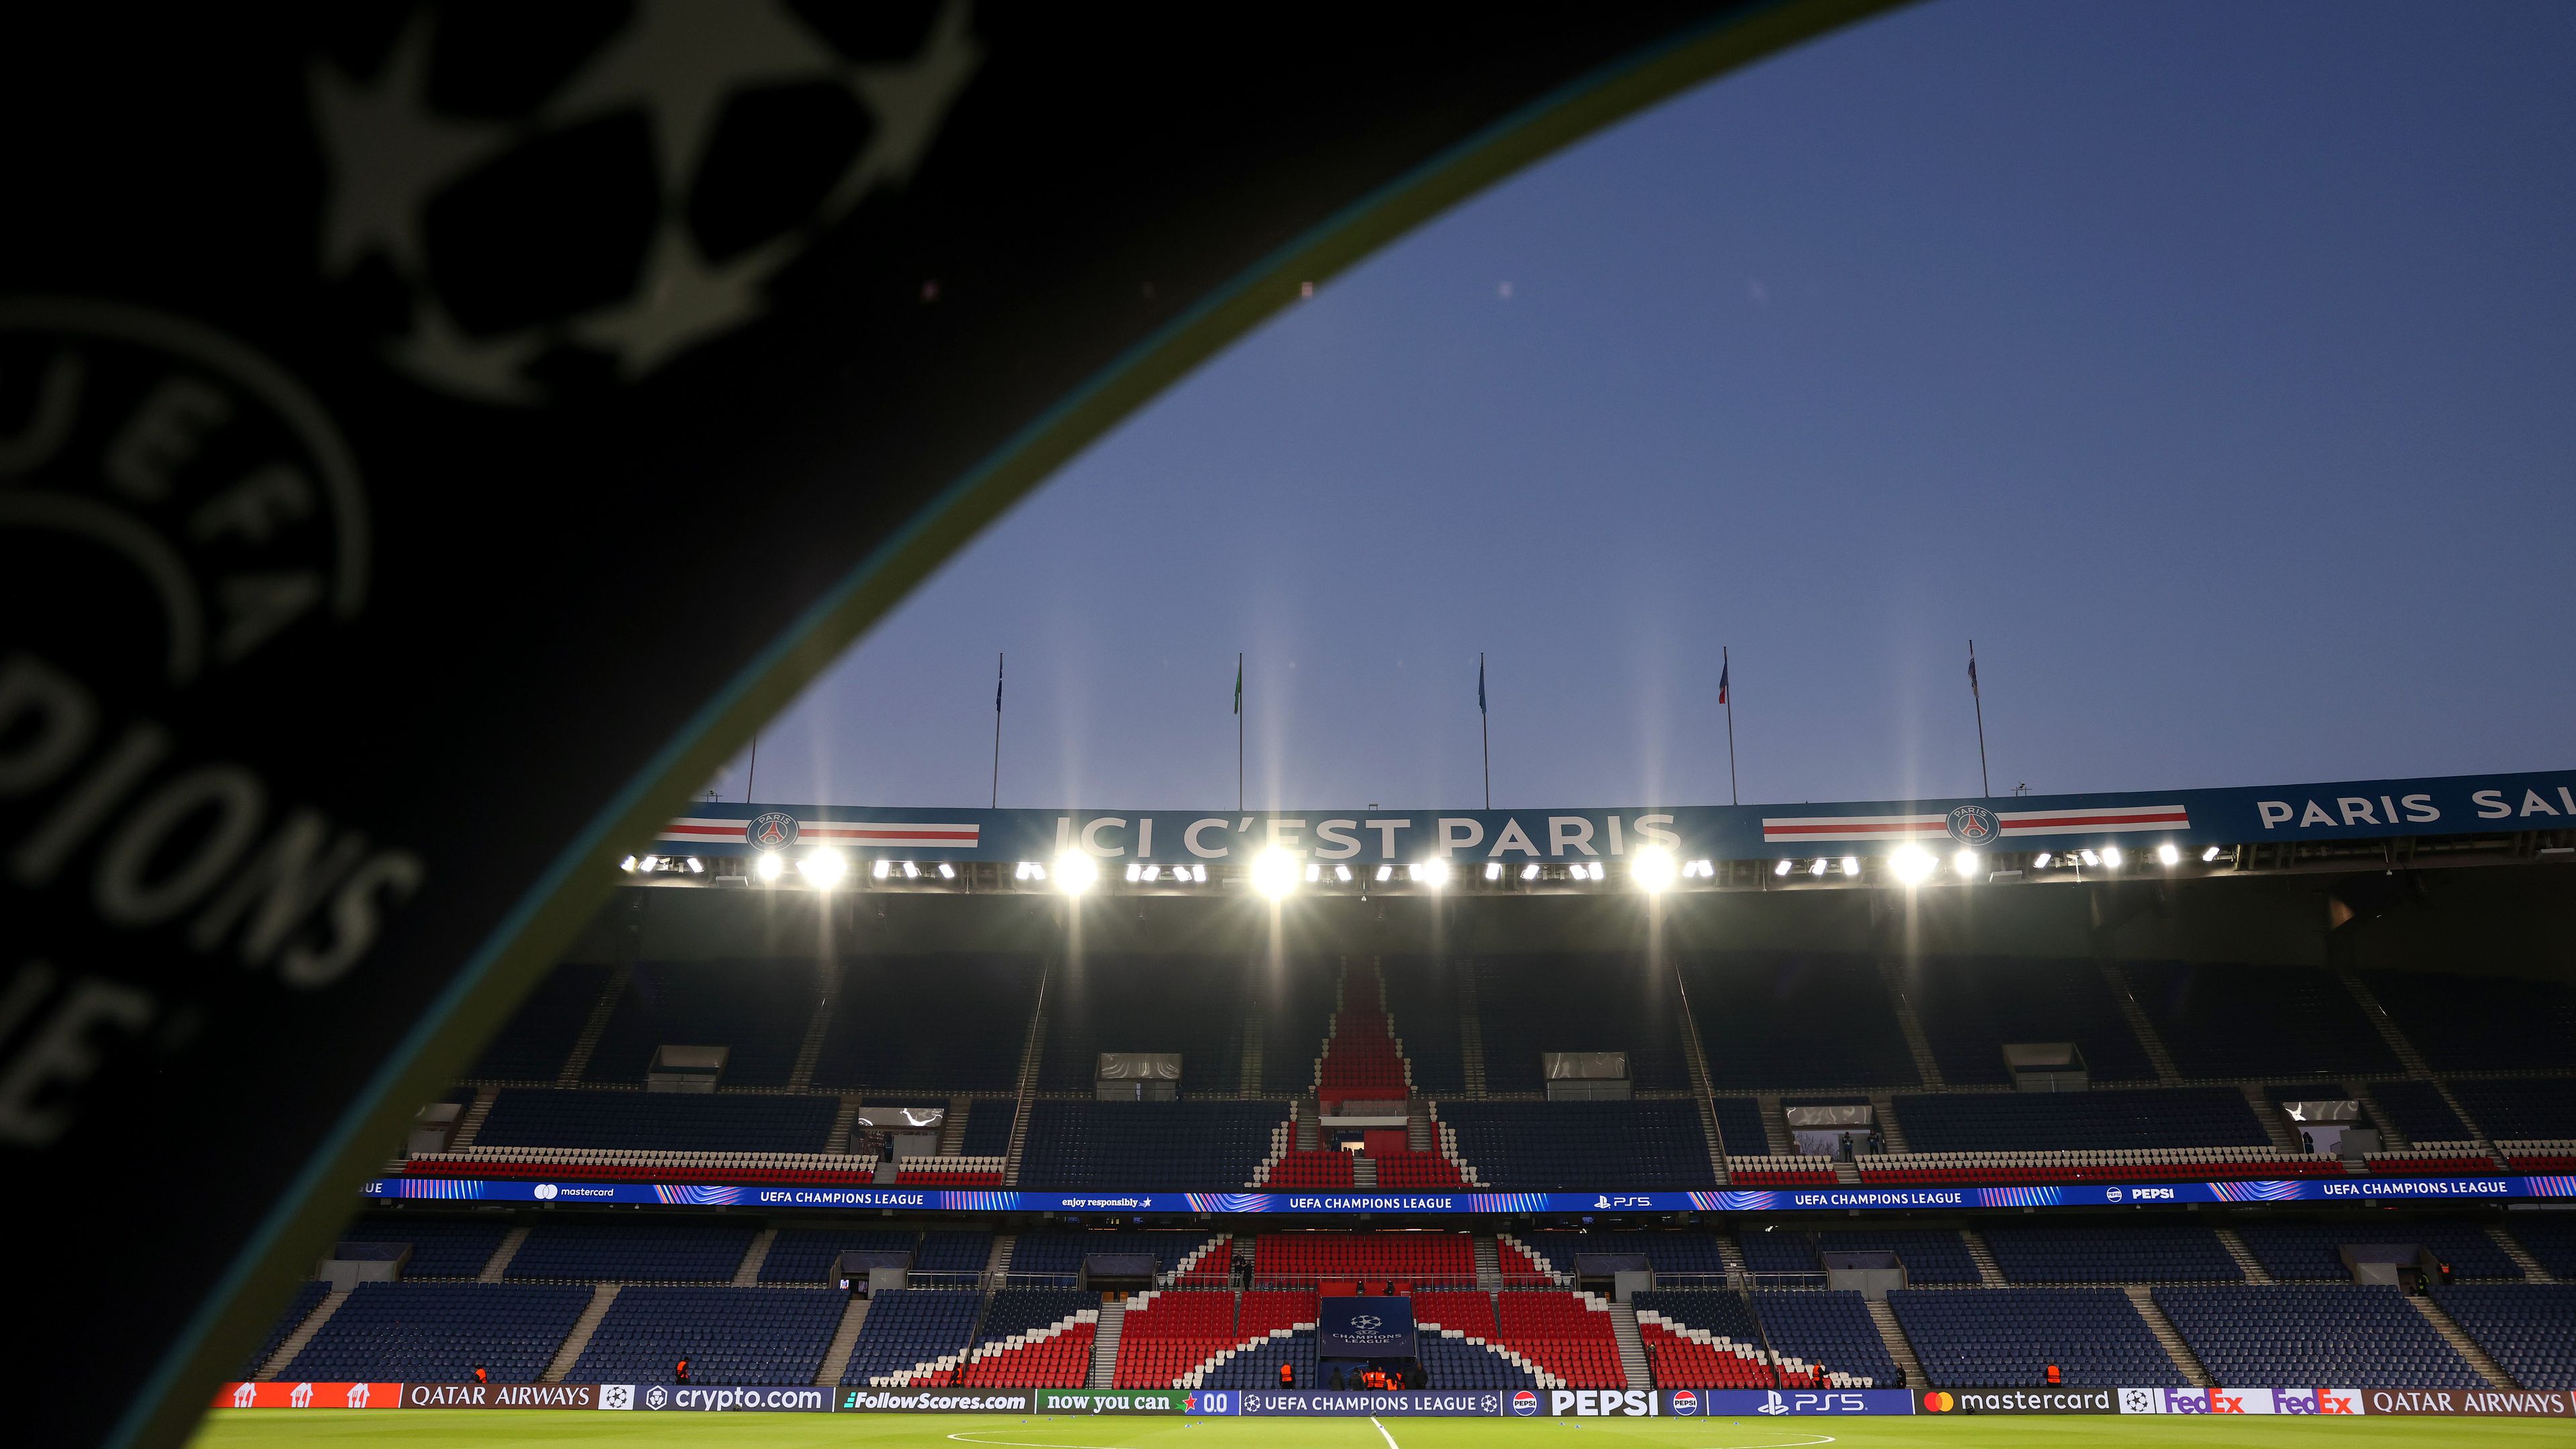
(1381,1433)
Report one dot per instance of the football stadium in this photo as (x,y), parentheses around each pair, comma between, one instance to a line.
(2230,1102)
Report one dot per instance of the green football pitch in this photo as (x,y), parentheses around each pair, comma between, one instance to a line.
(501,1429)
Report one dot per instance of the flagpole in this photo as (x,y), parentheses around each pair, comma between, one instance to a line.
(752,778)
(1238,730)
(1485,728)
(997,731)
(1974,693)
(1724,665)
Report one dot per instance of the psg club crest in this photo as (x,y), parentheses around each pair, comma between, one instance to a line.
(1974,825)
(773,831)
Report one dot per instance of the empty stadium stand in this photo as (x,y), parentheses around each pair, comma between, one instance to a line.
(951,1023)
(2102,1121)
(651,1250)
(1295,1004)
(1167,1335)
(1971,1006)
(2004,1337)
(1739,1122)
(1055,1259)
(535,1043)
(1568,1335)
(442,1332)
(2308,1252)
(909,1329)
(1930,1255)
(756,1010)
(809,1255)
(1530,1005)
(440,1247)
(728,1335)
(2033,1252)
(1182,1146)
(1581,1146)
(1769,1021)
(2230,1020)
(2520,1108)
(1832,1329)
(2465,1023)
(2308,1333)
(1420,1259)
(2529,1330)
(308,1296)
(2417,1110)
(1425,995)
(1193,1005)
(724,1122)
(1711,1340)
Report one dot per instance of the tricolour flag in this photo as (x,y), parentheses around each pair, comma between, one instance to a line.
(1723,669)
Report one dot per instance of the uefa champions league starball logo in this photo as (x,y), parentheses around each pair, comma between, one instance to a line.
(637,208)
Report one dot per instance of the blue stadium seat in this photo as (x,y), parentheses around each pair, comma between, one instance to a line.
(1739,1122)
(653,1250)
(1582,1146)
(1055,1259)
(1971,1006)
(909,1326)
(1296,1004)
(440,1333)
(757,1010)
(440,1247)
(1180,1146)
(1193,1005)
(949,1024)
(2100,1121)
(659,1121)
(2038,1252)
(538,1038)
(1769,1020)
(2528,1329)
(2524,1108)
(988,1127)
(2304,1333)
(1423,995)
(2418,1111)
(1019,1310)
(308,1296)
(2232,1020)
(2308,1252)
(1827,1327)
(728,1335)
(2007,1337)
(2464,1023)
(1530,1005)
(809,1255)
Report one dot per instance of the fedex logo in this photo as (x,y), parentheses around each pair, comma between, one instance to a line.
(2219,1401)
(2318,1401)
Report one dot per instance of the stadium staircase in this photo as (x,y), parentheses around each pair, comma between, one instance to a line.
(837,1142)
(997,1264)
(1104,1345)
(1632,1348)
(800,1075)
(1890,1130)
(1031,1053)
(1363,1172)
(1893,1336)
(499,1262)
(2275,1126)
(1256,1032)
(2246,1263)
(2185,1361)
(1695,1061)
(2150,1040)
(577,1061)
(1775,1127)
(303,1334)
(2390,1136)
(746,1274)
(1489,1266)
(601,1296)
(2463,1345)
(2511,1247)
(471,1121)
(952,1128)
(836,1356)
(1471,1039)
(2414,1062)
(1989,1272)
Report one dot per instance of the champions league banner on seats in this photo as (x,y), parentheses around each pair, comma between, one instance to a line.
(2424,1189)
(2188,819)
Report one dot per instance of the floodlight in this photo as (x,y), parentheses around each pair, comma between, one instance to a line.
(1076,872)
(1818,867)
(911,871)
(1965,863)
(2111,857)
(2090,858)
(1433,873)
(823,869)
(1274,872)
(1784,867)
(1342,873)
(1135,873)
(1493,870)
(649,864)
(1912,865)
(1851,865)
(1653,870)
(770,865)
(1153,873)
(1530,871)
(627,864)
(2168,854)
(2041,860)
(697,866)
(1314,872)
(1198,873)
(2209,855)
(947,871)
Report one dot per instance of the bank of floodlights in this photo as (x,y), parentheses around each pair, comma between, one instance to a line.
(1966,863)
(1076,872)
(1912,865)
(823,869)
(770,866)
(2112,859)
(2168,854)
(1653,870)
(1274,873)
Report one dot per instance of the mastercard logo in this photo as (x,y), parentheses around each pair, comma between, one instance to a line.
(1937,1402)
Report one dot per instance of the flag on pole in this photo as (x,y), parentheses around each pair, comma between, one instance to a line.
(997,687)
(1480,684)
(1972,674)
(1723,670)
(1238,685)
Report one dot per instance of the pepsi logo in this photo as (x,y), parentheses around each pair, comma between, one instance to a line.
(1524,1403)
(1685,1402)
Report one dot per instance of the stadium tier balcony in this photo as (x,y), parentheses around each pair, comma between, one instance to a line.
(2128,1253)
(1169,1334)
(2431,1162)
(1566,1335)
(1780,1172)
(948,1172)
(587,1165)
(726,1122)
(1831,1330)
(2528,1329)
(1581,1146)
(2118,1120)
(813,1255)
(2546,1157)
(538,1038)
(2311,1252)
(2007,1337)
(1184,1146)
(1421,1260)
(2230,1020)
(441,1332)
(1530,1005)
(1773,1020)
(757,1010)
(1970,1006)
(728,1335)
(2464,1023)
(2187,1164)
(2313,1334)
(649,1250)
(913,1335)
(950,1024)
(440,1247)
